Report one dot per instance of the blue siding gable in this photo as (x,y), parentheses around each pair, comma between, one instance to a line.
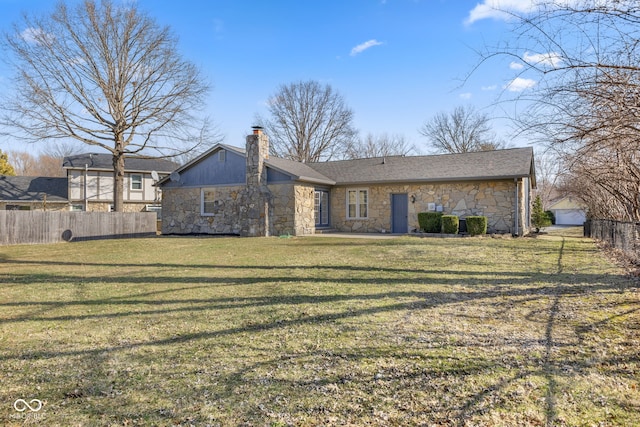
(276,176)
(219,167)
(223,167)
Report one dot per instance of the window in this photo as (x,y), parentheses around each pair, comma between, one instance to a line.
(207,197)
(76,208)
(17,208)
(154,208)
(136,181)
(357,202)
(222,155)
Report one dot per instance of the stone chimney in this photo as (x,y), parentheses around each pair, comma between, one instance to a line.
(257,152)
(255,204)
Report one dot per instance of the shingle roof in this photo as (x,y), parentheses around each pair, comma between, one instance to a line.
(483,165)
(299,171)
(33,188)
(476,166)
(103,161)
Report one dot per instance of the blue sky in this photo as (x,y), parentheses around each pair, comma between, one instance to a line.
(396,62)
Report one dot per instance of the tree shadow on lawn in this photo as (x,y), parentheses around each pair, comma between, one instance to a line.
(466,288)
(551,289)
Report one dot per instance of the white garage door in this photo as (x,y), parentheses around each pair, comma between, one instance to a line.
(570,217)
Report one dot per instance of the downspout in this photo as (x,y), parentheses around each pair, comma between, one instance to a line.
(516,210)
(86,197)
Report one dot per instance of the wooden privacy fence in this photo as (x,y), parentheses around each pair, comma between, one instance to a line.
(30,227)
(621,235)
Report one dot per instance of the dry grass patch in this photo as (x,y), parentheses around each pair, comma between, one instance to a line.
(319,331)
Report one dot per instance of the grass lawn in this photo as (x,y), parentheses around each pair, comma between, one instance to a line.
(319,331)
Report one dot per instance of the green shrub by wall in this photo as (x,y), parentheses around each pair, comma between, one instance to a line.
(476,225)
(430,222)
(551,217)
(450,224)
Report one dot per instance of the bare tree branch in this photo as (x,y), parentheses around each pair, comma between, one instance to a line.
(382,145)
(309,122)
(584,58)
(461,131)
(105,75)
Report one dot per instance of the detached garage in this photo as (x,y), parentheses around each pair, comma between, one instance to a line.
(568,212)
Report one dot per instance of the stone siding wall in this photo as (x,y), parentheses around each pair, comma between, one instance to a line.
(494,199)
(305,220)
(181,211)
(291,210)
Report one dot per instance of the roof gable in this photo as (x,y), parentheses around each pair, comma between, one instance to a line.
(297,171)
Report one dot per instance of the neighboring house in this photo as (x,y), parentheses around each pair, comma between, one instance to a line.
(568,211)
(228,190)
(88,186)
(90,182)
(33,193)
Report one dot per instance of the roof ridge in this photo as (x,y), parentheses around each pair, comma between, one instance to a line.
(423,155)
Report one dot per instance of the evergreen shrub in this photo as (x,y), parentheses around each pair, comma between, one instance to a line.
(450,224)
(430,222)
(476,225)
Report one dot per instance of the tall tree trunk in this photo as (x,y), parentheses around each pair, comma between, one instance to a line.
(118,181)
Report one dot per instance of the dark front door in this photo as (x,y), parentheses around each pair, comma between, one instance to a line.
(322,208)
(399,213)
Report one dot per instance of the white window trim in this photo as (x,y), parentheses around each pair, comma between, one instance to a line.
(131,182)
(202,212)
(358,216)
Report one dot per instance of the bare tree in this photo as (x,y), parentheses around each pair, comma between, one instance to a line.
(381,145)
(461,131)
(309,122)
(105,75)
(23,163)
(549,173)
(61,149)
(583,56)
(47,163)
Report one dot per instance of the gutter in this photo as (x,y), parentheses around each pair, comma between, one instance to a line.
(516,211)
(432,180)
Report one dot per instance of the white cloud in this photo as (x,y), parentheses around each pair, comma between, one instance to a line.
(466,95)
(364,46)
(516,66)
(35,35)
(504,9)
(492,87)
(499,9)
(519,84)
(551,59)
